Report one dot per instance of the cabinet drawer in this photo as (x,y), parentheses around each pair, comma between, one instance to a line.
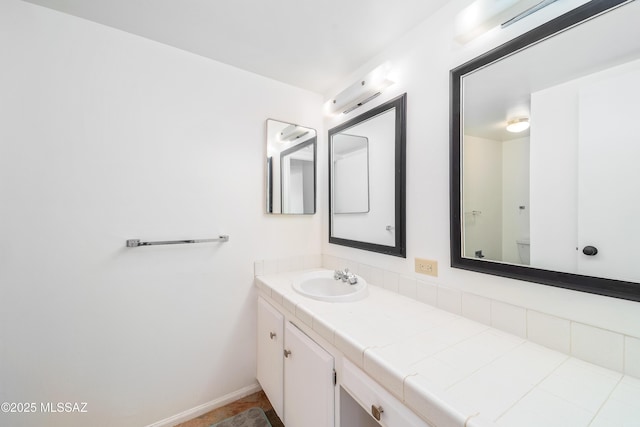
(370,395)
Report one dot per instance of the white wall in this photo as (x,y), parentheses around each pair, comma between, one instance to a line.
(105,136)
(421,62)
(351,180)
(515,196)
(482,204)
(496,185)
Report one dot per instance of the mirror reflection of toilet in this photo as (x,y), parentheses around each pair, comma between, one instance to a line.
(524,250)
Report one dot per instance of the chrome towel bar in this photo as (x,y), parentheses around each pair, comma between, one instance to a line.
(134,243)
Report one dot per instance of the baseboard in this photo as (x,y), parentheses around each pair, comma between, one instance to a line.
(206,407)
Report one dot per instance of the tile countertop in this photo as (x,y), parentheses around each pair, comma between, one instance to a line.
(453,371)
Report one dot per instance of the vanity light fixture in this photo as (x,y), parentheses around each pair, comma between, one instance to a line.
(532,9)
(483,15)
(292,132)
(518,125)
(362,91)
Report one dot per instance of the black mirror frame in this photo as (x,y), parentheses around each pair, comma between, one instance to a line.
(400,247)
(595,285)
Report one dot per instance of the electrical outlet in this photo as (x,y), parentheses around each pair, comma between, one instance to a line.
(427,266)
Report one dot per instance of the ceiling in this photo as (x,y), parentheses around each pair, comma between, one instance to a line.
(502,90)
(308,44)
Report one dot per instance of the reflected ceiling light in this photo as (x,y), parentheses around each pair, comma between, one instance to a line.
(518,125)
(362,91)
(292,132)
(484,15)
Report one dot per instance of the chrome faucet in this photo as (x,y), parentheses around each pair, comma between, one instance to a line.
(345,276)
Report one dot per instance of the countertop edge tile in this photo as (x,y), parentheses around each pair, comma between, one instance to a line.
(391,377)
(435,404)
(351,349)
(305,315)
(324,329)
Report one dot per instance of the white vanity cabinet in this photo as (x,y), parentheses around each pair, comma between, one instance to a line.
(270,369)
(296,374)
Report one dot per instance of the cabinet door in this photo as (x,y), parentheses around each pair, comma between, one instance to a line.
(308,382)
(270,360)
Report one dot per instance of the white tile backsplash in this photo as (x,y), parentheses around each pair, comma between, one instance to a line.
(549,331)
(427,293)
(270,266)
(366,272)
(391,281)
(329,262)
(312,261)
(258,268)
(476,308)
(408,286)
(376,276)
(283,265)
(509,318)
(598,346)
(450,299)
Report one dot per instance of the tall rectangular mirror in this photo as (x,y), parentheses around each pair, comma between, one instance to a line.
(350,173)
(291,168)
(553,203)
(367,180)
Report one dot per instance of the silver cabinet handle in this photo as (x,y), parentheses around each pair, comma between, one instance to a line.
(272,335)
(376,411)
(287,353)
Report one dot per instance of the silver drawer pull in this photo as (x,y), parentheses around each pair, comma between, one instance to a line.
(272,335)
(376,411)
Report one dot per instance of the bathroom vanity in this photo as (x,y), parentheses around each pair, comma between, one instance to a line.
(399,362)
(299,377)
(295,373)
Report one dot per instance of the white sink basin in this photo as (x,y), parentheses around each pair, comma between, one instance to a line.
(321,285)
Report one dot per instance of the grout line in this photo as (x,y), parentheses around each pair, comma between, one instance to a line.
(606,400)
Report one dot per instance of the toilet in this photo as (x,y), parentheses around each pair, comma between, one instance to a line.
(523,250)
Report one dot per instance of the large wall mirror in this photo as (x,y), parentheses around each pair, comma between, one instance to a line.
(367,180)
(558,202)
(291,168)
